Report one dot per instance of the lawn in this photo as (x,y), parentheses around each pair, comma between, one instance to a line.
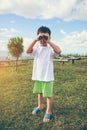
(70,98)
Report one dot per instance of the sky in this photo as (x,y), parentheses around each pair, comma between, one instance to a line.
(67,20)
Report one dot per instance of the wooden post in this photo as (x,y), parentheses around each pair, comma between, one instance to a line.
(73,61)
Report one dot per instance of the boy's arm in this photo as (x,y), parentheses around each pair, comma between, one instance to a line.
(55,47)
(30,48)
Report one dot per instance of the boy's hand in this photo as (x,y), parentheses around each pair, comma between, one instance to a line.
(37,37)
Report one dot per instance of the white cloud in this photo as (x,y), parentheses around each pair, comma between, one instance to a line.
(64,9)
(26,43)
(75,42)
(62,32)
(3,46)
(7,32)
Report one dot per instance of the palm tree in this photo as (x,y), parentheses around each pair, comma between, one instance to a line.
(15,47)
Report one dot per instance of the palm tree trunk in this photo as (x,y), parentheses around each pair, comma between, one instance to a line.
(17,64)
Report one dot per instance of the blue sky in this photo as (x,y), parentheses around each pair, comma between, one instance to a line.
(67,20)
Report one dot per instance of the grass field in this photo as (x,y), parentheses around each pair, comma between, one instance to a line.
(70,98)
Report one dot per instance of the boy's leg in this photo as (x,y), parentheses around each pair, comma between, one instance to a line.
(40,103)
(49,105)
(49,108)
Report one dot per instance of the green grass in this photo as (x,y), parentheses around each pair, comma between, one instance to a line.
(70,98)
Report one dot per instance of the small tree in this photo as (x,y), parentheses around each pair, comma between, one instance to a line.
(15,47)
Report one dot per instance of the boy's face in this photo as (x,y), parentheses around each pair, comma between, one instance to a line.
(43,38)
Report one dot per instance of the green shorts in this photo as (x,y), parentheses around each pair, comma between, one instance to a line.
(46,88)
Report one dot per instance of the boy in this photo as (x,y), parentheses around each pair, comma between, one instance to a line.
(43,51)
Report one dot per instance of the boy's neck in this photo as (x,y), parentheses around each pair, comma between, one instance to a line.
(43,44)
